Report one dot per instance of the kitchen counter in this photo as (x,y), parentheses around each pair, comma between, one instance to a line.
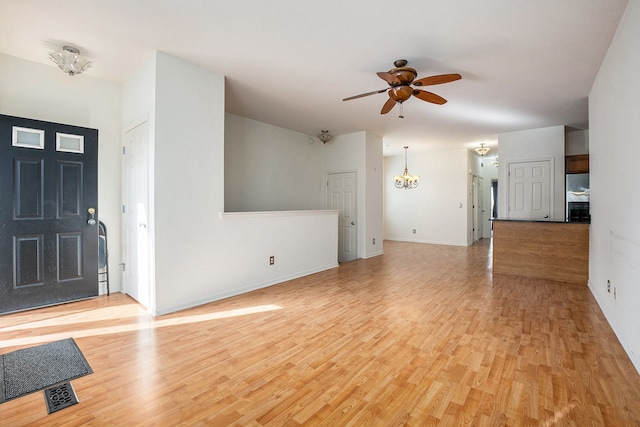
(550,250)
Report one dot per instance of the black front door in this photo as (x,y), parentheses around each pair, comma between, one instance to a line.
(48,236)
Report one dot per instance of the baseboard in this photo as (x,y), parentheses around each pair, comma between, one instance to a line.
(374,254)
(635,358)
(430,242)
(239,291)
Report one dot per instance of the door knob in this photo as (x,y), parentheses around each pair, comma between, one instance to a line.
(353,223)
(92,216)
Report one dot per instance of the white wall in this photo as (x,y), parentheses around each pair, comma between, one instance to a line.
(268,168)
(532,145)
(42,92)
(438,208)
(188,178)
(614,134)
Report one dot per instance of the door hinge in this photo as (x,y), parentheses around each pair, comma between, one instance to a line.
(123,266)
(122,208)
(124,150)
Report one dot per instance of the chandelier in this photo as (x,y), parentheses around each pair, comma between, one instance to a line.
(482,150)
(325,136)
(406,181)
(70,61)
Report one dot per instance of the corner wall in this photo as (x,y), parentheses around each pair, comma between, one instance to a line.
(374,200)
(201,253)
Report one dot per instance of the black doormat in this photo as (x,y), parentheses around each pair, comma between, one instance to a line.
(36,368)
(60,396)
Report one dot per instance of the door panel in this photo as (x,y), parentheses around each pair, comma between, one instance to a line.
(28,260)
(48,251)
(29,188)
(69,256)
(69,189)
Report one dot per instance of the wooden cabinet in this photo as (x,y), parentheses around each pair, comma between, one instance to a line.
(577,164)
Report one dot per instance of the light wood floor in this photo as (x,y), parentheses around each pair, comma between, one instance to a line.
(422,335)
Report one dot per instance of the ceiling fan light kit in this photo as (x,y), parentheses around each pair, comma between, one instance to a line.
(400,79)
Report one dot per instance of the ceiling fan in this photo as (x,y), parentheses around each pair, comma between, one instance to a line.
(400,79)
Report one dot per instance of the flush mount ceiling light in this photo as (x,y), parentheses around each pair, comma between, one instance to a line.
(70,61)
(406,181)
(325,136)
(482,150)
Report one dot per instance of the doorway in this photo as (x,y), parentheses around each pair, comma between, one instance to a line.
(136,275)
(48,213)
(529,195)
(342,196)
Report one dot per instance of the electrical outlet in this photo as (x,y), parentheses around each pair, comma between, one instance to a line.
(272,260)
(609,286)
(414,231)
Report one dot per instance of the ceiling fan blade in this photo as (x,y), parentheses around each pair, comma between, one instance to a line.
(429,97)
(364,94)
(389,78)
(388,106)
(437,80)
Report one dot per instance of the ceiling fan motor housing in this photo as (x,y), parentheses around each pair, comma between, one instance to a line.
(400,93)
(405,74)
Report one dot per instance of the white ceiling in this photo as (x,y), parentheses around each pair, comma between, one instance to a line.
(524,63)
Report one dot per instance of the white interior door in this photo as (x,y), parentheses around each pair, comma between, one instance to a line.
(136,256)
(478,209)
(529,190)
(342,196)
(474,204)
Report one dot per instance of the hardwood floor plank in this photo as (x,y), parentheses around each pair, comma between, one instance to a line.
(423,335)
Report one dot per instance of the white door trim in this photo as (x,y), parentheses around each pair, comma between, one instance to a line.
(551,162)
(147,299)
(353,242)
